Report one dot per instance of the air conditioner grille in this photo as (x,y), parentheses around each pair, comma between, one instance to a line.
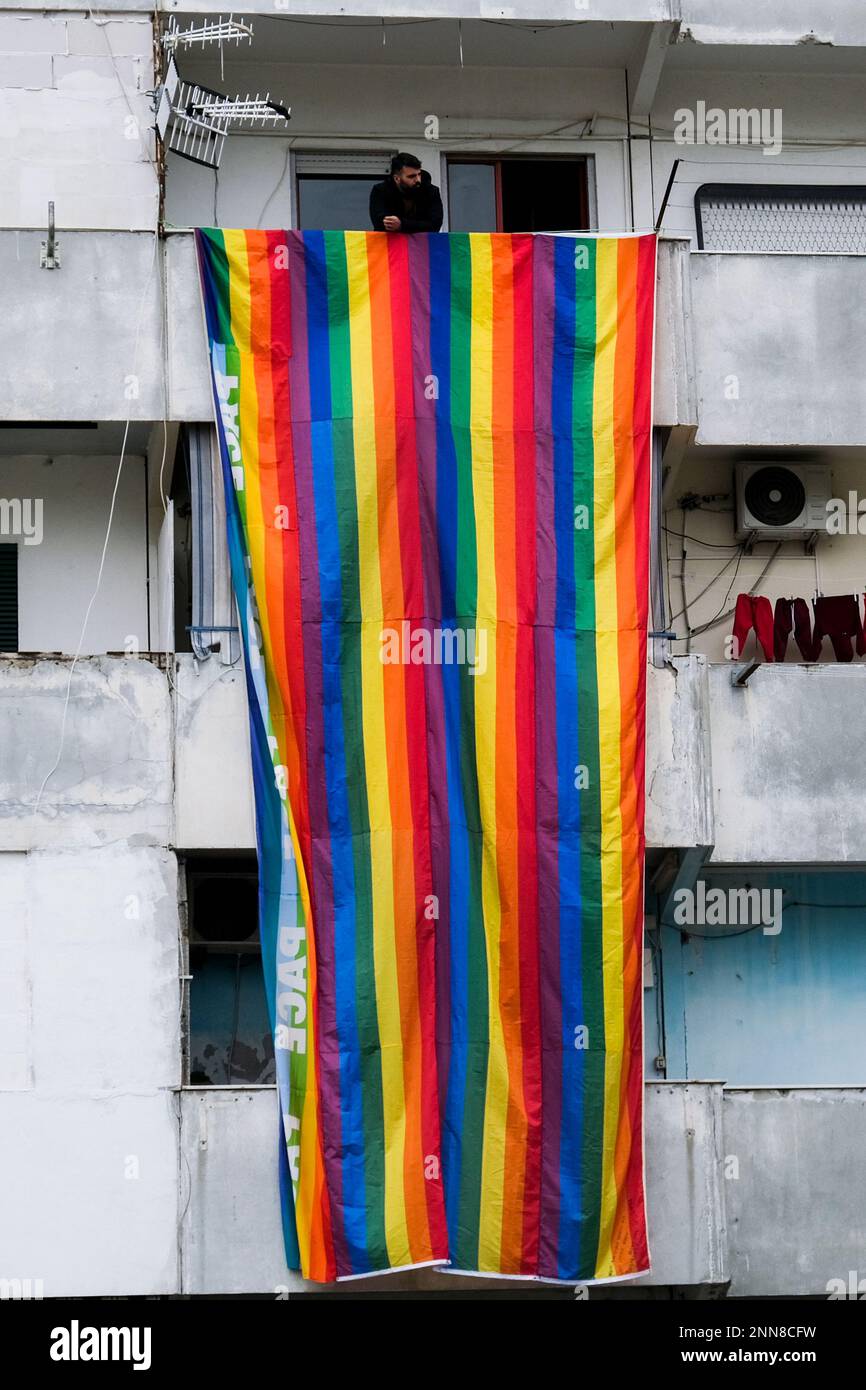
(775,496)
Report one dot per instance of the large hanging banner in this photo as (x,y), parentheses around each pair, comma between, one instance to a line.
(436,451)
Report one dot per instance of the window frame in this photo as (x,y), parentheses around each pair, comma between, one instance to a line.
(497,160)
(203,863)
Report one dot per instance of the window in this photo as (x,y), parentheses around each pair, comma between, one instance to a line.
(230,1042)
(334,190)
(8,597)
(776,217)
(517,195)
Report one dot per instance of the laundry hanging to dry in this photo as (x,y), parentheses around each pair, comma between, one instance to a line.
(835,616)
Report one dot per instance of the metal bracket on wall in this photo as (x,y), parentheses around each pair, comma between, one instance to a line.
(685,875)
(741,674)
(50,258)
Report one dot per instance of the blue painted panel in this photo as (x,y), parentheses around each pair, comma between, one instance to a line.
(754,1009)
(230,1035)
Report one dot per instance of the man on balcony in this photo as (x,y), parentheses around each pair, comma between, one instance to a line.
(407,200)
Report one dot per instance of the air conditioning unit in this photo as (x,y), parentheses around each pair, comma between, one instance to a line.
(782,501)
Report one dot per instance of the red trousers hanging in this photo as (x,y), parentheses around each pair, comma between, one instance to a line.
(753,611)
(809,651)
(783,626)
(838,617)
(799,622)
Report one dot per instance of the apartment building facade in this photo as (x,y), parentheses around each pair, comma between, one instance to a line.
(136,1072)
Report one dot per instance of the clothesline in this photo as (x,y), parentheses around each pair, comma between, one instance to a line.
(835,616)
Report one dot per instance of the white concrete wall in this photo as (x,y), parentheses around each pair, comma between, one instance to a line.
(679,786)
(795,1212)
(56,578)
(88,1130)
(188,381)
(779,342)
(113,778)
(89,988)
(787,759)
(75,120)
(84,342)
(213,777)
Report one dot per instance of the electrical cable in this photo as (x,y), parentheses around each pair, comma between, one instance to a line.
(717,936)
(831,907)
(722,617)
(352,24)
(278,186)
(685,608)
(102,23)
(711,545)
(704,627)
(162,497)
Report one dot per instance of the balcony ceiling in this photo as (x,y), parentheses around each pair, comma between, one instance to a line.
(809,59)
(499,43)
(422,42)
(38,440)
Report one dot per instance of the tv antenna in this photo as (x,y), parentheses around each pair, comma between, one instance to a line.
(220,32)
(194,120)
(229,30)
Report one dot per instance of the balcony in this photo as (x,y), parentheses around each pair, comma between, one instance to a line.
(752,350)
(786,757)
(228,1141)
(86,342)
(779,342)
(730,1174)
(113,779)
(746,773)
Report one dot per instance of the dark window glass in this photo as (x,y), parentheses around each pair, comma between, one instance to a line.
(543,195)
(517,195)
(8,598)
(230,1042)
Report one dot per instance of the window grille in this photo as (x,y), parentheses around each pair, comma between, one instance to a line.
(761,217)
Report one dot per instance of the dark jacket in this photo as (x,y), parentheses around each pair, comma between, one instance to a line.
(424,213)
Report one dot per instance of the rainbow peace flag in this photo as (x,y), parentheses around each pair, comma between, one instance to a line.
(436,453)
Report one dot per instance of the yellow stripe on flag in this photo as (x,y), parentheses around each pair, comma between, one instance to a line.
(481,437)
(607,666)
(375,749)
